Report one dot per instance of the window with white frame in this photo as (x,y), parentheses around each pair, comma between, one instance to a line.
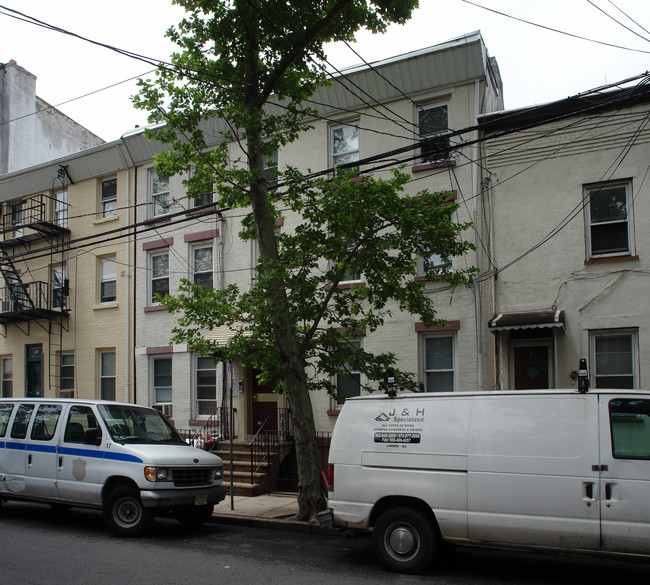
(107,280)
(159,270)
(202,265)
(344,140)
(161,378)
(107,375)
(271,168)
(205,376)
(434,264)
(59,286)
(203,198)
(348,384)
(433,127)
(61,208)
(7,377)
(66,375)
(108,197)
(609,219)
(614,358)
(159,193)
(437,363)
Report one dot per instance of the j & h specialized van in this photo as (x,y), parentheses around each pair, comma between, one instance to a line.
(556,470)
(127,460)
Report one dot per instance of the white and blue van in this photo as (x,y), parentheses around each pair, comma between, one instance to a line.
(124,459)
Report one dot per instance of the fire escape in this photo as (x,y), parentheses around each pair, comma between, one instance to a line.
(32,229)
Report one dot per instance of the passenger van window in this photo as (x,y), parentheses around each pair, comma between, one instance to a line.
(45,421)
(82,425)
(630,426)
(21,421)
(5,413)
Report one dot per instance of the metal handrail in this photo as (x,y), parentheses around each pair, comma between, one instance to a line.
(261,439)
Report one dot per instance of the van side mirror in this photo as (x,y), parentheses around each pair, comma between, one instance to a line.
(93,436)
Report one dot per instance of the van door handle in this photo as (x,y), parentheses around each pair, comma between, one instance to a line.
(29,459)
(589,493)
(60,462)
(608,493)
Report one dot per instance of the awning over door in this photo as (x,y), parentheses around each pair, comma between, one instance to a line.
(527,320)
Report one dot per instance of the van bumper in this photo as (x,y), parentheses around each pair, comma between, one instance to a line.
(350,515)
(178,498)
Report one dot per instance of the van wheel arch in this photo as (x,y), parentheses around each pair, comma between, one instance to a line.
(123,511)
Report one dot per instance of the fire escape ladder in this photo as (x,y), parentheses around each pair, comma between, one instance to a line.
(15,295)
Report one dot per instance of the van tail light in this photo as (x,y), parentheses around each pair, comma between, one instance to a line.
(329,481)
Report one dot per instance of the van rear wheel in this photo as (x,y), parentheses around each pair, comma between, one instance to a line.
(124,513)
(405,540)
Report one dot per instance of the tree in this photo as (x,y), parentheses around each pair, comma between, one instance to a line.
(247,68)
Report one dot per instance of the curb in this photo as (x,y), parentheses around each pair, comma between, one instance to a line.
(272,523)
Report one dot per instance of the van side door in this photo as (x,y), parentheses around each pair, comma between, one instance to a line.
(16,444)
(40,469)
(625,473)
(80,456)
(531,472)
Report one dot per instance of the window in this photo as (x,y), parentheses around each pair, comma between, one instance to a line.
(206,386)
(614,358)
(159,275)
(45,421)
(59,287)
(162,380)
(21,421)
(108,197)
(349,384)
(107,375)
(7,377)
(66,375)
(81,422)
(271,168)
(345,144)
(608,216)
(434,264)
(159,189)
(438,363)
(204,197)
(202,266)
(630,426)
(5,415)
(107,280)
(61,208)
(433,124)
(17,218)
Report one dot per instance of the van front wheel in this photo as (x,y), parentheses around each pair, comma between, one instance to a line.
(124,513)
(404,540)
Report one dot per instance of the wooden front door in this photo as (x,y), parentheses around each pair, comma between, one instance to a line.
(265,403)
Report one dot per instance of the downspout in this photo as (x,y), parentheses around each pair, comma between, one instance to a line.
(477,285)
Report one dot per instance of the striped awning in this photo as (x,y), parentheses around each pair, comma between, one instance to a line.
(527,320)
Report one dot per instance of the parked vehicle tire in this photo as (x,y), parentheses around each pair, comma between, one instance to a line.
(124,513)
(404,540)
(193,517)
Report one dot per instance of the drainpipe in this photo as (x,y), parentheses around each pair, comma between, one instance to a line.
(476,185)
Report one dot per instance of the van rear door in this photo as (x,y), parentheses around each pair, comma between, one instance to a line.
(625,473)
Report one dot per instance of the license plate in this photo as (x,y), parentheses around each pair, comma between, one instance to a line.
(201,500)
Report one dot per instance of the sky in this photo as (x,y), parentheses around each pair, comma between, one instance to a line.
(538,65)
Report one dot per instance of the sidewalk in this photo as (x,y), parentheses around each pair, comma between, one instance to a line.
(276,510)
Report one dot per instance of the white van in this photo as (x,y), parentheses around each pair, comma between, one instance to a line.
(536,470)
(126,459)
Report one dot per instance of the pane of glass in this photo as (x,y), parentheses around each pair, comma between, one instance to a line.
(160,287)
(108,269)
(108,363)
(204,279)
(206,392)
(160,204)
(108,389)
(163,394)
(202,259)
(160,265)
(345,139)
(206,378)
(439,353)
(7,368)
(433,120)
(204,363)
(440,381)
(108,292)
(614,355)
(608,204)
(162,372)
(348,386)
(609,238)
(109,189)
(160,183)
(630,421)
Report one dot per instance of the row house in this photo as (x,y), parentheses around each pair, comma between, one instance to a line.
(567,194)
(389,106)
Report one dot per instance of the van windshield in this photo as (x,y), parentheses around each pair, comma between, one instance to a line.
(132,424)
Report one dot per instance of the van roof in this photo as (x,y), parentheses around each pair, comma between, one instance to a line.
(468,393)
(41,400)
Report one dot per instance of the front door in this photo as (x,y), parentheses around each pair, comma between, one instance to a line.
(34,371)
(531,366)
(265,405)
